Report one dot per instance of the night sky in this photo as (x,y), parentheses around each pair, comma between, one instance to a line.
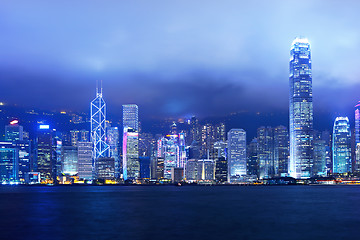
(176,58)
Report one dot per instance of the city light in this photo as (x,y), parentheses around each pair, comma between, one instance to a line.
(14,122)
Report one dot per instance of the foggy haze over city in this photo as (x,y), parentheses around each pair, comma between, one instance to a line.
(176,60)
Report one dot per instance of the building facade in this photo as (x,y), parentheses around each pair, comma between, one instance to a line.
(301,110)
(341,145)
(131,165)
(98,127)
(236,154)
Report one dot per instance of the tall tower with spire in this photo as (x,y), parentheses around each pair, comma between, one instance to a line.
(98,126)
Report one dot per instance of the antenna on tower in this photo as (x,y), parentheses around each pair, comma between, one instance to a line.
(101,81)
(97,86)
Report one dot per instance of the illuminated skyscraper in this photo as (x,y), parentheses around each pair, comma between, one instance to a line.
(131,165)
(301,110)
(113,142)
(25,157)
(265,139)
(85,160)
(195,134)
(319,165)
(69,160)
(182,152)
(281,151)
(341,145)
(357,137)
(131,116)
(45,161)
(357,123)
(105,168)
(221,166)
(252,158)
(236,154)
(9,162)
(13,131)
(171,154)
(98,127)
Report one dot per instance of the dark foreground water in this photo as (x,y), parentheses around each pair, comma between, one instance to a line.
(168,212)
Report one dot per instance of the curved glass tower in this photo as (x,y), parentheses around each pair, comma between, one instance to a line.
(341,145)
(301,110)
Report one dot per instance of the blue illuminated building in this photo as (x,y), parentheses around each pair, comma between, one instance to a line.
(341,145)
(301,110)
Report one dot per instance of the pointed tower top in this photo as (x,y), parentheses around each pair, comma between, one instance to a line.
(99,91)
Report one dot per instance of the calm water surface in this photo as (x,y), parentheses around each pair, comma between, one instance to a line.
(191,212)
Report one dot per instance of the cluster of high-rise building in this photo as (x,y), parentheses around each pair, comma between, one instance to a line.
(190,151)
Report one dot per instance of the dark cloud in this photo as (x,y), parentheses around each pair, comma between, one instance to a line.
(176,59)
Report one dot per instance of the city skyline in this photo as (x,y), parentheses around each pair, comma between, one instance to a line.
(186,119)
(234,68)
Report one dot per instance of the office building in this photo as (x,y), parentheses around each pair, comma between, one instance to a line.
(85,161)
(170,153)
(177,174)
(45,161)
(252,158)
(221,166)
(69,160)
(9,162)
(236,154)
(357,137)
(319,164)
(281,151)
(113,141)
(98,126)
(25,157)
(265,139)
(131,117)
(14,131)
(105,168)
(341,145)
(131,166)
(300,109)
(144,167)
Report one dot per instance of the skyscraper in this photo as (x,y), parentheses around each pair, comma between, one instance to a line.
(265,139)
(319,165)
(281,151)
(131,165)
(357,137)
(69,160)
(194,130)
(341,145)
(301,109)
(221,166)
(13,131)
(236,154)
(25,157)
(9,162)
(113,142)
(98,127)
(85,160)
(252,158)
(130,116)
(357,123)
(171,154)
(45,163)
